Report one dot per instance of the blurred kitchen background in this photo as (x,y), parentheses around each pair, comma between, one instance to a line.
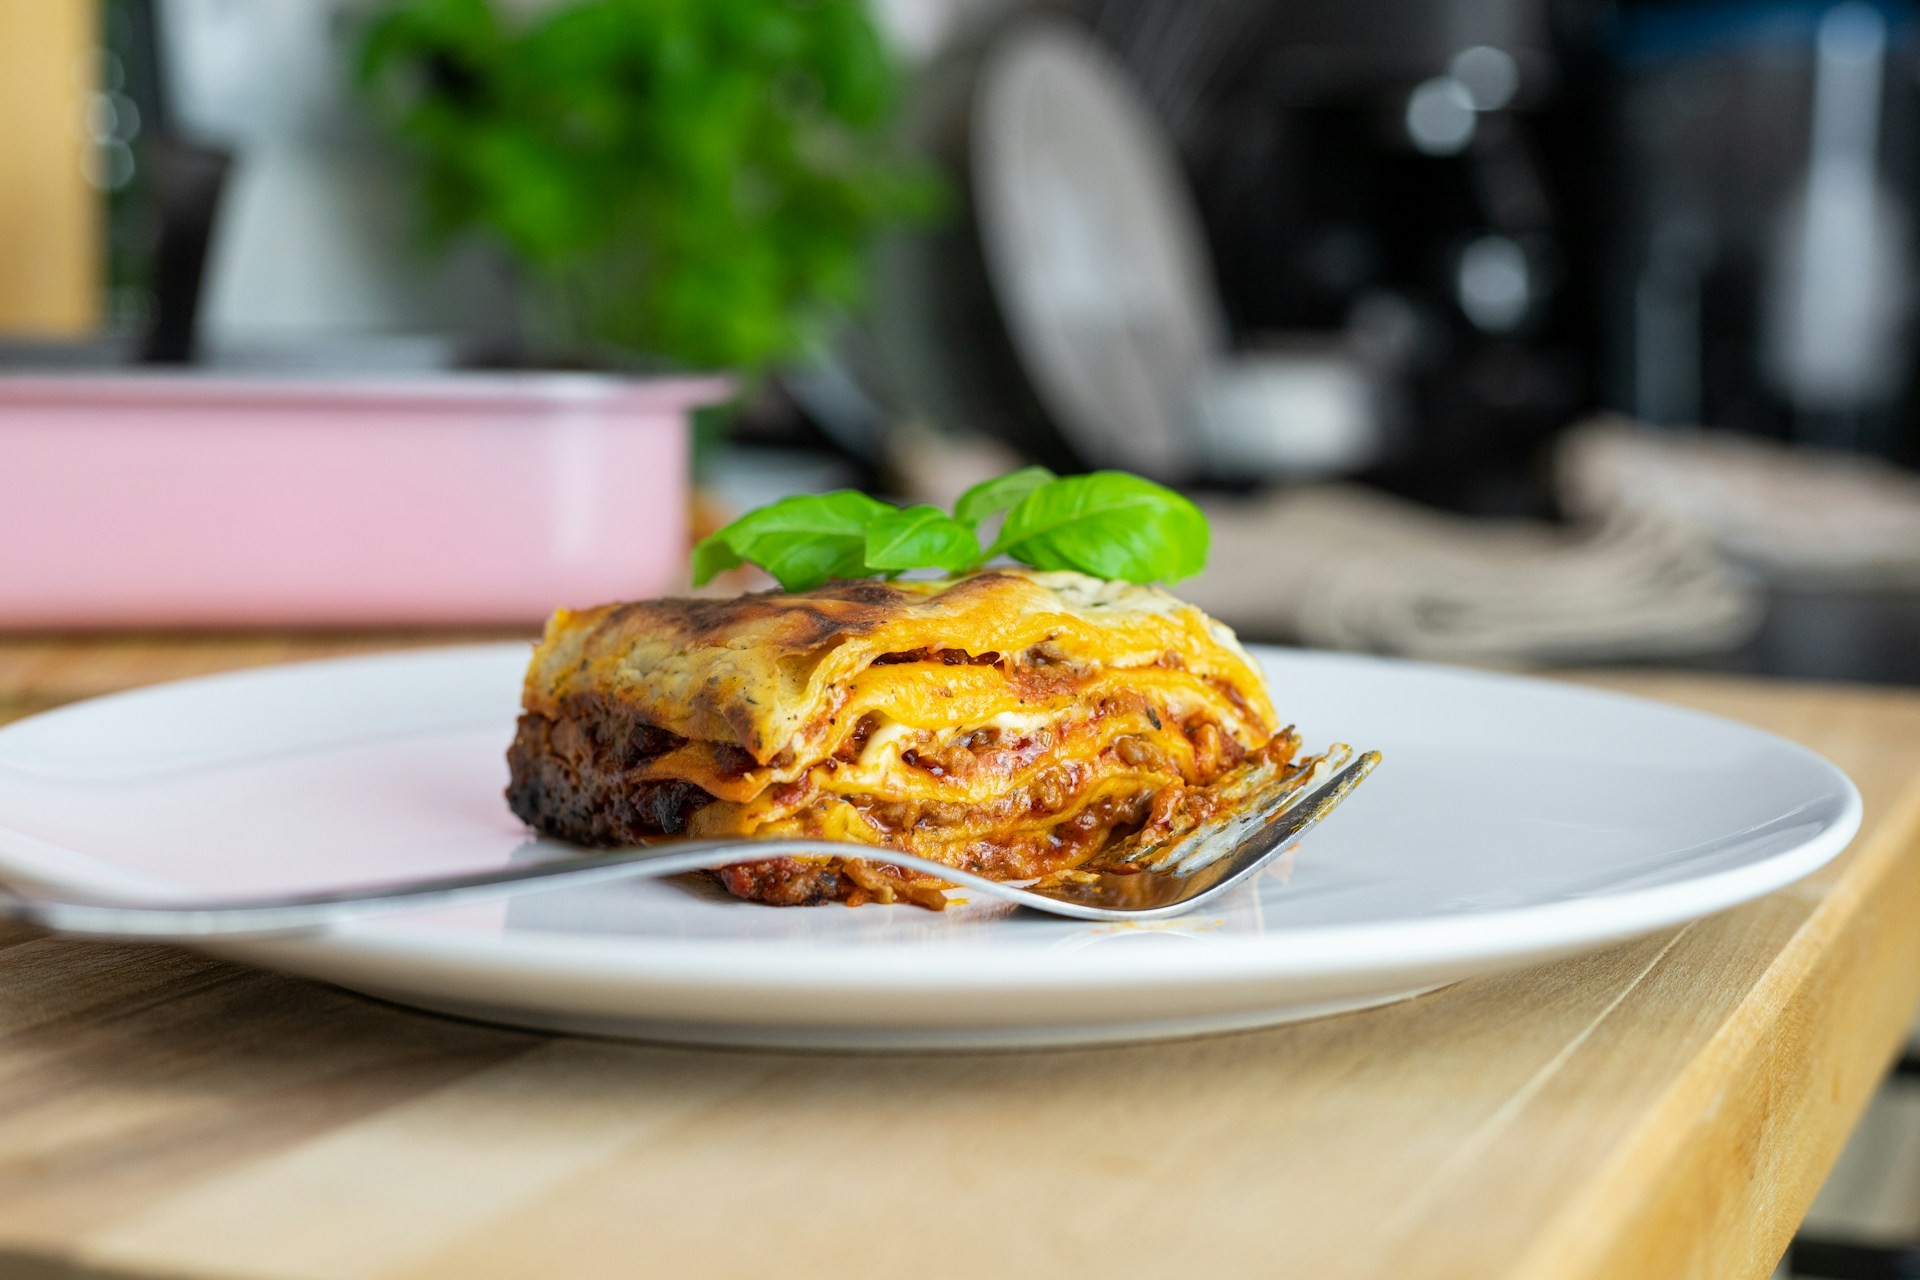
(1511,331)
(1522,332)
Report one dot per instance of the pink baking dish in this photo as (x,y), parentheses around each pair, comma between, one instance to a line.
(198,501)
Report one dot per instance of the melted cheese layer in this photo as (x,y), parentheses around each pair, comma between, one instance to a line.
(764,673)
(928,706)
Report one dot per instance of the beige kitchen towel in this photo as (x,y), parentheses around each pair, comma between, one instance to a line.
(1344,567)
(1793,514)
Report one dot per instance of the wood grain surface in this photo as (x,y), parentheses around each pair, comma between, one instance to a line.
(1662,1109)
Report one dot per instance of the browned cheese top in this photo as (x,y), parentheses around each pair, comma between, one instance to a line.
(761,671)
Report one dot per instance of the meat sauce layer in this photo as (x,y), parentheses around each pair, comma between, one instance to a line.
(1058,793)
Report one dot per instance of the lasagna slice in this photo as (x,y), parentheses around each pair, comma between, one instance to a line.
(1014,723)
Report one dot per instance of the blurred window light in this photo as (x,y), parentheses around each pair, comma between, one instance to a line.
(1493,284)
(126,117)
(1489,75)
(1853,33)
(102,118)
(1440,119)
(109,166)
(101,69)
(1387,329)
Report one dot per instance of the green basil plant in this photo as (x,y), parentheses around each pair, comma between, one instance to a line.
(695,182)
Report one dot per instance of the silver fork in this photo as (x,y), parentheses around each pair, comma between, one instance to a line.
(1161,880)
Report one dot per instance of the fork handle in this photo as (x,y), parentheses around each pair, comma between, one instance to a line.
(176,920)
(186,920)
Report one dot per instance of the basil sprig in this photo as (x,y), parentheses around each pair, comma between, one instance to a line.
(805,539)
(1108,524)
(922,537)
(1002,493)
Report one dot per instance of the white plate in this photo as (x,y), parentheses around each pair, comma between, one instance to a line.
(1512,821)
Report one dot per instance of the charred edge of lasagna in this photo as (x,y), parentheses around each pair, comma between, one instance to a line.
(814,619)
(569,781)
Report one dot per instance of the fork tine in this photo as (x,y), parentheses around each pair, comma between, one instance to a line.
(1141,893)
(1202,845)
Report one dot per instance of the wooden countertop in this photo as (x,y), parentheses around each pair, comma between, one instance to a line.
(1663,1109)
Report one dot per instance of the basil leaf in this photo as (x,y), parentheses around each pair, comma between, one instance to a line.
(802,541)
(922,537)
(1002,493)
(1108,524)
(712,557)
